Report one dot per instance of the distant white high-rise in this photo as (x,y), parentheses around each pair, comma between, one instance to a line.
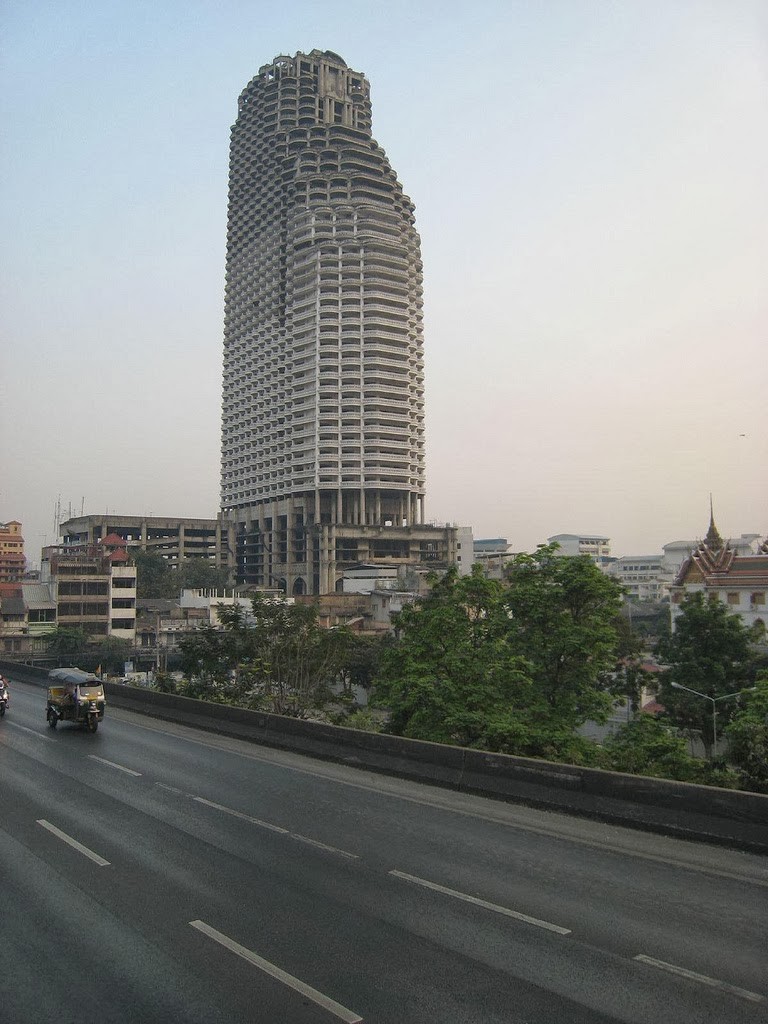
(322,460)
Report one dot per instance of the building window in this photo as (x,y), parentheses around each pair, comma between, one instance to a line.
(758,597)
(733,598)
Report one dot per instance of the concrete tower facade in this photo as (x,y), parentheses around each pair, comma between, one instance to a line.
(322,460)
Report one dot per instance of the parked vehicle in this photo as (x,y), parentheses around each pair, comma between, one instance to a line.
(5,698)
(75,696)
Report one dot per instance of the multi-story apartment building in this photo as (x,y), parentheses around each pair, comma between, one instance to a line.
(12,561)
(95,587)
(322,459)
(176,539)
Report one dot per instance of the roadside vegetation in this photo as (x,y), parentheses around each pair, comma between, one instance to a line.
(515,666)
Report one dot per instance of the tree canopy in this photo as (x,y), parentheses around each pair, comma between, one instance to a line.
(515,665)
(155,578)
(709,651)
(277,659)
(66,640)
(748,737)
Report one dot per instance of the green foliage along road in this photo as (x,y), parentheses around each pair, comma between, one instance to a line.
(709,651)
(513,666)
(278,659)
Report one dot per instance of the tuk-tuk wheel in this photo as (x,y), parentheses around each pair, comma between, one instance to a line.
(93,724)
(53,718)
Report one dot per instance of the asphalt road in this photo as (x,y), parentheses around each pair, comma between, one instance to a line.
(152,873)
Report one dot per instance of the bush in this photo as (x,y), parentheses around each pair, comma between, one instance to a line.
(645,746)
(363,719)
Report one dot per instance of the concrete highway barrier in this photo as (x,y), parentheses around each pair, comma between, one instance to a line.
(702,813)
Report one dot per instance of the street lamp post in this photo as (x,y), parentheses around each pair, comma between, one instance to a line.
(714,700)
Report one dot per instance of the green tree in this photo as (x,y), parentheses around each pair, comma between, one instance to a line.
(154,577)
(292,662)
(360,661)
(66,640)
(709,651)
(513,666)
(199,574)
(451,675)
(748,737)
(563,620)
(108,654)
(209,660)
(278,659)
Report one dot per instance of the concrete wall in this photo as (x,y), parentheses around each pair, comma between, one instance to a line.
(702,813)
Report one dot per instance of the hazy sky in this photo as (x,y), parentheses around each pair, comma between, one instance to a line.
(591,189)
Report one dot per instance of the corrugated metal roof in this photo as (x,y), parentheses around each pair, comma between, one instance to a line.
(38,595)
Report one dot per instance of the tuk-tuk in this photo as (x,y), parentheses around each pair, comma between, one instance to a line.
(4,696)
(75,696)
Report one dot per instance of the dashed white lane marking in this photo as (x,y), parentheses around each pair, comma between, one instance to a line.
(491,814)
(481,903)
(171,789)
(73,843)
(348,1016)
(32,732)
(703,979)
(275,828)
(323,846)
(239,814)
(112,764)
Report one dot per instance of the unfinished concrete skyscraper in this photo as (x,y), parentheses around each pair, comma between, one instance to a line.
(323,383)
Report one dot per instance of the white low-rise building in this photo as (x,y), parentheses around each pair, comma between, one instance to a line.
(644,577)
(595,545)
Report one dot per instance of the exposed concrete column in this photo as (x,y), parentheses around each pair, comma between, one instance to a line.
(330,585)
(290,548)
(324,558)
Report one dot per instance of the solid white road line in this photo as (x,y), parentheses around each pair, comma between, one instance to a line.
(482,903)
(128,771)
(73,843)
(744,993)
(349,1016)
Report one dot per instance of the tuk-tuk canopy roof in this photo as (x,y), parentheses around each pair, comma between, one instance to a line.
(73,675)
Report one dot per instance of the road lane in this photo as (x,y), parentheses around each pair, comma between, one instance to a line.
(706,914)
